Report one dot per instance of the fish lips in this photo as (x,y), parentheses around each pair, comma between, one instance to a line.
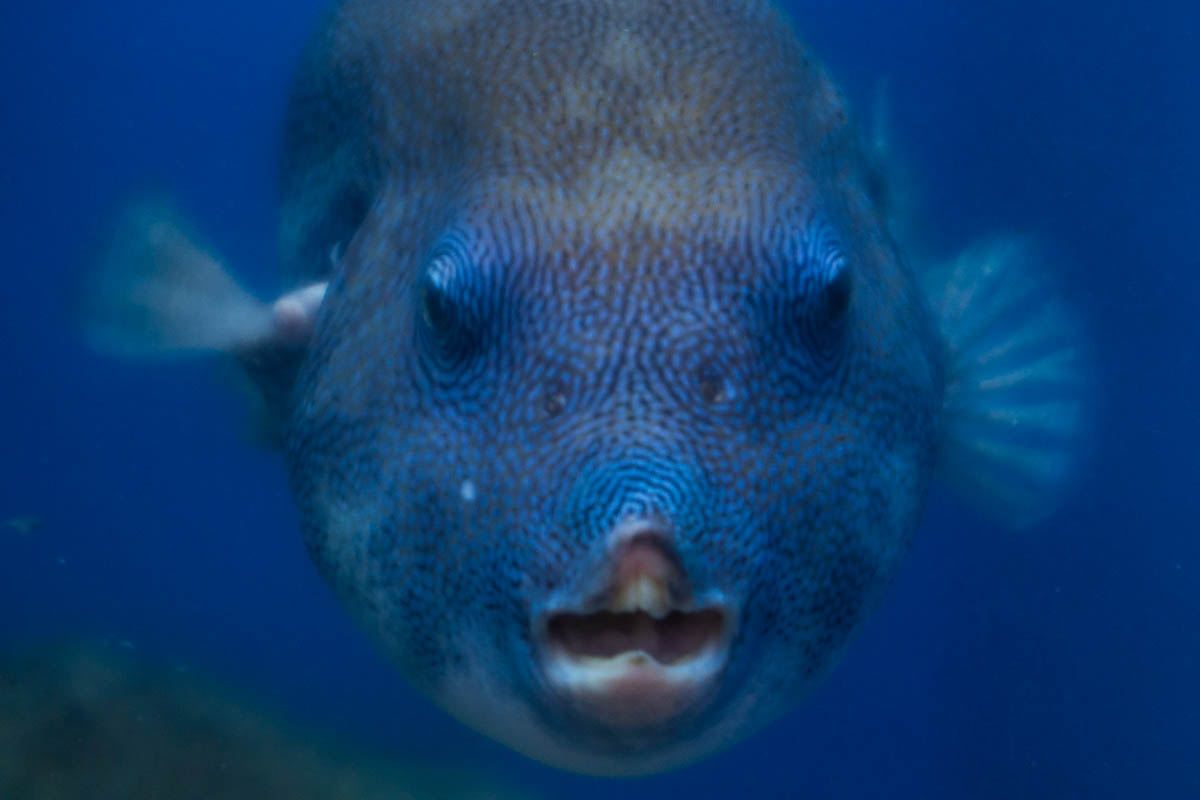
(632,646)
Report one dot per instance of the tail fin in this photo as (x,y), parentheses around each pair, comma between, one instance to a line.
(1016,381)
(156,291)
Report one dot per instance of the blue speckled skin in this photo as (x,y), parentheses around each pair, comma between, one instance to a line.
(594,260)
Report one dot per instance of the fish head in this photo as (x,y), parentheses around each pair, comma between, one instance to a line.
(616,502)
(612,435)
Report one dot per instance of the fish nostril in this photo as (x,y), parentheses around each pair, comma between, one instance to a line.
(554,400)
(715,387)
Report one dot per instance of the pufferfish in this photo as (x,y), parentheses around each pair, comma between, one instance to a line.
(608,396)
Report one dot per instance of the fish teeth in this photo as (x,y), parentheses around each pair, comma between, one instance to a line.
(642,593)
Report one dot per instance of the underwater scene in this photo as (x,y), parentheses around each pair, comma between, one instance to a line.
(554,398)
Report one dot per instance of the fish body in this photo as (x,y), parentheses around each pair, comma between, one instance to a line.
(608,398)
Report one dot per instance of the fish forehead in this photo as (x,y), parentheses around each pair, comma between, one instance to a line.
(561,89)
(625,202)
(667,113)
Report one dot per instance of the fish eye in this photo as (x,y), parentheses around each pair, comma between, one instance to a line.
(813,296)
(836,293)
(822,309)
(448,322)
(821,283)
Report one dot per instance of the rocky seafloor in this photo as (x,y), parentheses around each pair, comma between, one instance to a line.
(100,723)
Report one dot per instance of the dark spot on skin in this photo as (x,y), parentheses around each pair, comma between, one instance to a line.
(714,389)
(554,399)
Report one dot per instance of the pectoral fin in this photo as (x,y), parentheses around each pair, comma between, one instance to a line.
(157,292)
(1017,381)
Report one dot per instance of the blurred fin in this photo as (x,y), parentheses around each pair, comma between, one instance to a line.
(1016,381)
(25,524)
(889,184)
(156,291)
(881,122)
(271,364)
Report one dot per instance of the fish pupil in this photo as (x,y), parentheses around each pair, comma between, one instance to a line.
(835,299)
(447,322)
(437,311)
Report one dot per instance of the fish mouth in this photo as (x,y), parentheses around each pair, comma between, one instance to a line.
(642,650)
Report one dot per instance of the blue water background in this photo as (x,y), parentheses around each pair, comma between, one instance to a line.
(1059,662)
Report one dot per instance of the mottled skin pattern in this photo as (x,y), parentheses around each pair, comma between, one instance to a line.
(591,261)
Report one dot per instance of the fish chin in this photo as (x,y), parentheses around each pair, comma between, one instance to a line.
(528,724)
(632,691)
(634,670)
